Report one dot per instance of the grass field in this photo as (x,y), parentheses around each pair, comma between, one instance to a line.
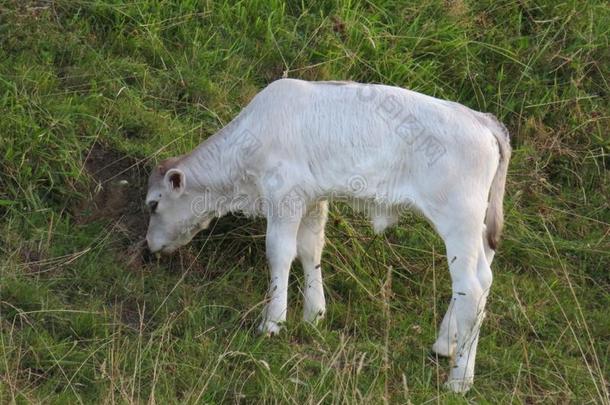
(93,92)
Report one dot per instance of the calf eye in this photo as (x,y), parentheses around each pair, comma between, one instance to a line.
(152,206)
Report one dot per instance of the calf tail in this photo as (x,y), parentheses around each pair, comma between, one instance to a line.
(494,218)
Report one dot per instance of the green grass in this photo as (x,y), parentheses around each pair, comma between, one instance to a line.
(83,319)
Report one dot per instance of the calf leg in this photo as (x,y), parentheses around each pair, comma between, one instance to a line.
(281,250)
(447,335)
(310,242)
(468,266)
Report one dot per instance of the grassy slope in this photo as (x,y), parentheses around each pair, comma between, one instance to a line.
(155,78)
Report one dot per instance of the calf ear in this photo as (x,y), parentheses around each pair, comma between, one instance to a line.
(175,182)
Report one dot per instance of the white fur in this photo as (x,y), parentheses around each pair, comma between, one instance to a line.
(383,149)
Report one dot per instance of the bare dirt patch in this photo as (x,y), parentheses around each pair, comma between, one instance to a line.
(118,191)
(117,194)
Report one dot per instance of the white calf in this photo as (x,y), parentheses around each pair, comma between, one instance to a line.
(384,149)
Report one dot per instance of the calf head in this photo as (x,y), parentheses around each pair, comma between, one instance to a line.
(174,217)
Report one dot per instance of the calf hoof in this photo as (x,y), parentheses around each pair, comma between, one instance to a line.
(313,315)
(459,386)
(269,328)
(443,348)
